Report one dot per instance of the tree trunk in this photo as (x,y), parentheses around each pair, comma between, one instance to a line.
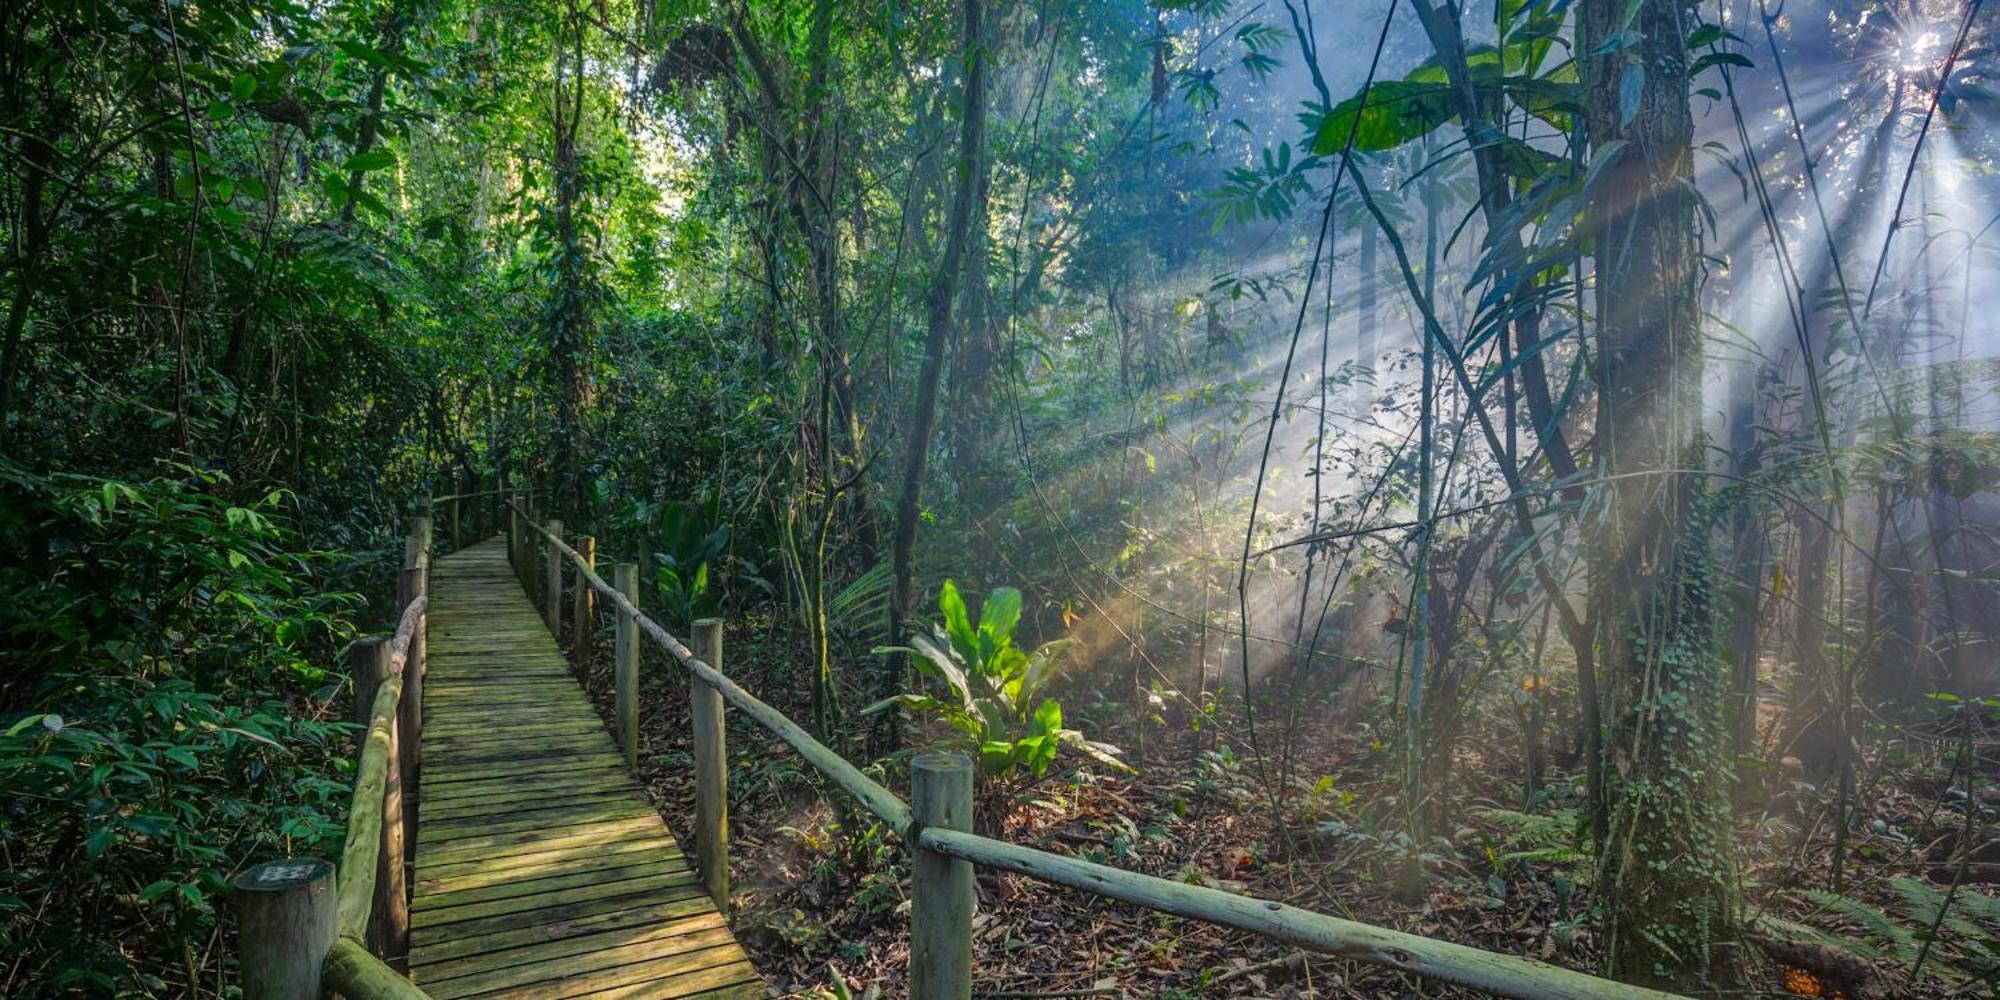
(942,294)
(1667,873)
(575,298)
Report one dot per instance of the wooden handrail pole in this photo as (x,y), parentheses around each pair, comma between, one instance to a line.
(711,767)
(286,922)
(625,664)
(457,537)
(584,604)
(513,536)
(389,927)
(414,582)
(552,581)
(940,885)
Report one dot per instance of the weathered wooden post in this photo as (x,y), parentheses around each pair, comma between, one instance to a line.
(513,535)
(552,581)
(625,663)
(584,604)
(367,667)
(286,920)
(389,927)
(711,767)
(940,885)
(457,536)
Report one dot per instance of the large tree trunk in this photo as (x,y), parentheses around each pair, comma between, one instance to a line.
(1667,874)
(942,294)
(575,299)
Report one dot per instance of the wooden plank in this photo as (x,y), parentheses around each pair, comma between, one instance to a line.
(545,887)
(544,859)
(553,768)
(470,947)
(477,789)
(688,944)
(674,976)
(444,834)
(484,926)
(527,802)
(495,754)
(621,938)
(482,877)
(499,845)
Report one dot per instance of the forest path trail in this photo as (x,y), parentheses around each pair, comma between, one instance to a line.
(542,870)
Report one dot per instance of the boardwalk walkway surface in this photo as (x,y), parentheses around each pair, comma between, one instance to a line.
(542,871)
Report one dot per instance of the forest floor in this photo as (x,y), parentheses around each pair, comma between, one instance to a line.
(822,912)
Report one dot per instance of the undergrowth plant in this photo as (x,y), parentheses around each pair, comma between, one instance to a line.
(992,700)
(164,722)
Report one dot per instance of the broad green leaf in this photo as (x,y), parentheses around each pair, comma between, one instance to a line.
(1000,613)
(374,159)
(1386,115)
(956,623)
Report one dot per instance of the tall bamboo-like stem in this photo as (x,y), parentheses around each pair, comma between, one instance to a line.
(1420,593)
(943,293)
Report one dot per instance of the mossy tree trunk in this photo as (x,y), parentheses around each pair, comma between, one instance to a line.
(1666,877)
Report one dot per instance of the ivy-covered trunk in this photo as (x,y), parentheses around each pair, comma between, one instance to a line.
(1667,876)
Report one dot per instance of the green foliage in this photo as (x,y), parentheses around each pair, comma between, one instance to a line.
(993,702)
(1535,838)
(159,731)
(694,558)
(1390,113)
(1965,948)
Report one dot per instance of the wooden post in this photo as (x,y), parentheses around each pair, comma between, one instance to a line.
(552,581)
(940,886)
(418,540)
(625,664)
(420,528)
(413,582)
(286,920)
(457,538)
(711,767)
(368,666)
(584,602)
(513,536)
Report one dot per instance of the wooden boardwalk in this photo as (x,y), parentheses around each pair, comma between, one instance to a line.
(542,871)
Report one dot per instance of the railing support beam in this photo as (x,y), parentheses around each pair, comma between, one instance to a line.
(584,604)
(940,885)
(711,767)
(552,575)
(625,664)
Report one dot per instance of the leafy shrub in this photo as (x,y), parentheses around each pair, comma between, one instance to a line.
(694,564)
(993,703)
(159,728)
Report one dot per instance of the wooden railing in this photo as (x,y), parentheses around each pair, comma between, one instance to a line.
(475,514)
(307,928)
(936,825)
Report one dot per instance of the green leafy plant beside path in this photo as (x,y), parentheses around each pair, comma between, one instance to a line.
(992,703)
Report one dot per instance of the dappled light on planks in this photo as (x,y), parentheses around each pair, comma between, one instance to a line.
(542,870)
